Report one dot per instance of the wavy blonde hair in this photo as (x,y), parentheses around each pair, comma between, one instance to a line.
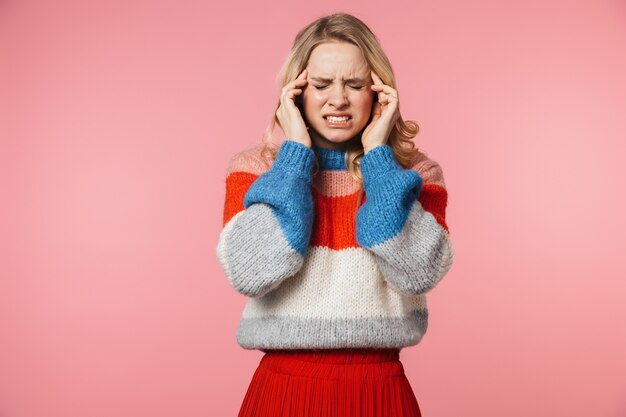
(343,27)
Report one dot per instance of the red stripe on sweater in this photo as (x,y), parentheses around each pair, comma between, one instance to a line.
(237,184)
(334,222)
(434,199)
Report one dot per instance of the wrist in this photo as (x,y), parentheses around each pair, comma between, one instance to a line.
(366,150)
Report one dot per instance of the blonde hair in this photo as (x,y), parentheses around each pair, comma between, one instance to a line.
(342,27)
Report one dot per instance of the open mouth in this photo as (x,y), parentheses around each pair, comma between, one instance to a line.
(337,119)
(340,122)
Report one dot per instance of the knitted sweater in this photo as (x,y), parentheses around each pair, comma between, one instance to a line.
(321,273)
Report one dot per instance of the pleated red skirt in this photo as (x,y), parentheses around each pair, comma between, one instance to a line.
(330,383)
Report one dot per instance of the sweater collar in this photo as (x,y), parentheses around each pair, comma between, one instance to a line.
(330,159)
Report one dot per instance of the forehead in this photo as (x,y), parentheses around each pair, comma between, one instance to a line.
(341,59)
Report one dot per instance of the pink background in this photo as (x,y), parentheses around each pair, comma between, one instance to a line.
(117,121)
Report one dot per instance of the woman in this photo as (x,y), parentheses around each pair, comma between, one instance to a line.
(335,235)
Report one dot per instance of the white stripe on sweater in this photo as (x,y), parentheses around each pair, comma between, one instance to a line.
(335,284)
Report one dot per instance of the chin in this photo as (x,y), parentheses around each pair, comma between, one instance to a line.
(337,136)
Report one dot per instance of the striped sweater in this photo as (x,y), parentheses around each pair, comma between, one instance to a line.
(321,273)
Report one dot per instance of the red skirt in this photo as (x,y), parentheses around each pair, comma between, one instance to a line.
(330,383)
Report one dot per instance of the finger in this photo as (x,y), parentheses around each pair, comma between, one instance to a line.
(386,89)
(376,79)
(293,84)
(300,78)
(289,98)
(388,98)
(292,92)
(381,88)
(286,90)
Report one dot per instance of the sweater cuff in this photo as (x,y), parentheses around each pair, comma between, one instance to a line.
(295,157)
(376,162)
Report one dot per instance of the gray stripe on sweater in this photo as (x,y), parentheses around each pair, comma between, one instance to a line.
(273,332)
(416,259)
(255,253)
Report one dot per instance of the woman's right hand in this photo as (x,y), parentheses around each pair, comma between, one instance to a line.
(288,114)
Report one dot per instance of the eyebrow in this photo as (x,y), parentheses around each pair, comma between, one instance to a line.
(349,80)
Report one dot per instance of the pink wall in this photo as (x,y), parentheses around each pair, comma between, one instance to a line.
(117,120)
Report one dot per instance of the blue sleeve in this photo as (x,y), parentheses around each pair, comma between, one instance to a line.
(265,243)
(412,250)
(286,188)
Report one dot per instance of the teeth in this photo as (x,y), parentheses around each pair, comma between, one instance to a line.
(337,119)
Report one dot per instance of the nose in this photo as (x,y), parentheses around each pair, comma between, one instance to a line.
(338,97)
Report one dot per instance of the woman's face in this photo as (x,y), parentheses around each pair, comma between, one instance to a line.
(339,82)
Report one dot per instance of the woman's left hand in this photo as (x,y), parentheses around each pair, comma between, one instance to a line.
(385,113)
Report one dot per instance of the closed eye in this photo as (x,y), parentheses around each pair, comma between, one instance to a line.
(356,87)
